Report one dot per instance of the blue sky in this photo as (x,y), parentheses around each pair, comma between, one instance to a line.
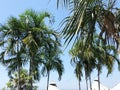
(14,8)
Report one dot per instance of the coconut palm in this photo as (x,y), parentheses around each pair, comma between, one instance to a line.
(11,35)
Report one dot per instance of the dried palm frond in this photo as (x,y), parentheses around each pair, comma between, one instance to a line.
(108,28)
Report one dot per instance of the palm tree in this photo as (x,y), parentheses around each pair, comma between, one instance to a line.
(86,17)
(11,35)
(13,82)
(78,73)
(104,57)
(92,13)
(53,65)
(85,58)
(95,55)
(52,60)
(78,66)
(38,37)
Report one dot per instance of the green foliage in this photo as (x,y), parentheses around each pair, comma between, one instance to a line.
(28,39)
(92,56)
(13,82)
(3,88)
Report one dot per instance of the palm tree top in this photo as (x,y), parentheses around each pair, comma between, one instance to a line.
(85,16)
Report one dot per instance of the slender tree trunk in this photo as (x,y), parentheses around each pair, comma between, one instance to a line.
(19,79)
(86,81)
(30,74)
(90,82)
(48,78)
(79,84)
(98,79)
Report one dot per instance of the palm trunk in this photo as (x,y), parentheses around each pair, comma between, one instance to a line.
(98,79)
(19,79)
(48,78)
(86,81)
(30,75)
(79,83)
(90,82)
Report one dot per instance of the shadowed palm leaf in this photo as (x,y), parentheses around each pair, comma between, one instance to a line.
(89,14)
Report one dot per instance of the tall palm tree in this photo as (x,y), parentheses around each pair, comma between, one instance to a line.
(84,56)
(104,57)
(95,55)
(38,37)
(53,65)
(86,16)
(52,59)
(78,73)
(11,35)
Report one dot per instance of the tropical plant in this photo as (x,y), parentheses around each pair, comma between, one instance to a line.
(24,40)
(87,18)
(105,55)
(95,55)
(13,82)
(12,47)
(38,38)
(52,59)
(84,59)
(95,14)
(78,73)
